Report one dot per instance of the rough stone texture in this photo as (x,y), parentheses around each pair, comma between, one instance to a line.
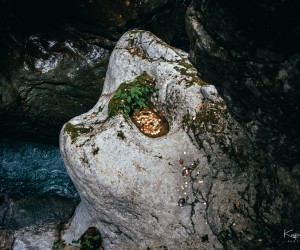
(54,81)
(6,239)
(16,213)
(71,248)
(254,61)
(40,237)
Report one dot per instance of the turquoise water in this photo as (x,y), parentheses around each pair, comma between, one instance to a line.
(29,168)
(34,184)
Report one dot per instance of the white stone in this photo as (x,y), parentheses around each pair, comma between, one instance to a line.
(129,186)
(40,237)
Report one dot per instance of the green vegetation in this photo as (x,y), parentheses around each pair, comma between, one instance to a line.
(88,241)
(75,130)
(186,65)
(132,96)
(210,117)
(91,239)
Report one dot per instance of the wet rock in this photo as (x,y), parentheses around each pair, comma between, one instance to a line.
(40,237)
(24,212)
(34,185)
(130,188)
(6,239)
(254,62)
(52,69)
(54,81)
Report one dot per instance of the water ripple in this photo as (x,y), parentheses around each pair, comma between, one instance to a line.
(31,168)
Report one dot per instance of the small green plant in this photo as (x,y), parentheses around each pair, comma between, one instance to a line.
(87,242)
(132,96)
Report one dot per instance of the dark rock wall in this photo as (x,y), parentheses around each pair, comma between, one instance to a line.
(54,54)
(250,51)
(54,80)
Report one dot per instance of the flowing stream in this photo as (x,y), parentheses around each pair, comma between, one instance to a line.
(34,185)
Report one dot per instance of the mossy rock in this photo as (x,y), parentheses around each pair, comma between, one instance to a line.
(75,130)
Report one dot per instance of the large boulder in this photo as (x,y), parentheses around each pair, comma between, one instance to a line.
(130,184)
(178,191)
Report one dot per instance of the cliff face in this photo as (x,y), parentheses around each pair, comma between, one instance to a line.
(250,52)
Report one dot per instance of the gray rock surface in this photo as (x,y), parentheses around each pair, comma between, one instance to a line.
(6,239)
(130,187)
(40,237)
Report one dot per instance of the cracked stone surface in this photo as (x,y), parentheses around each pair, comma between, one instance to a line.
(259,83)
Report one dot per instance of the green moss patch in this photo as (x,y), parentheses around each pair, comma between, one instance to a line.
(75,130)
(188,70)
(186,65)
(210,117)
(91,239)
